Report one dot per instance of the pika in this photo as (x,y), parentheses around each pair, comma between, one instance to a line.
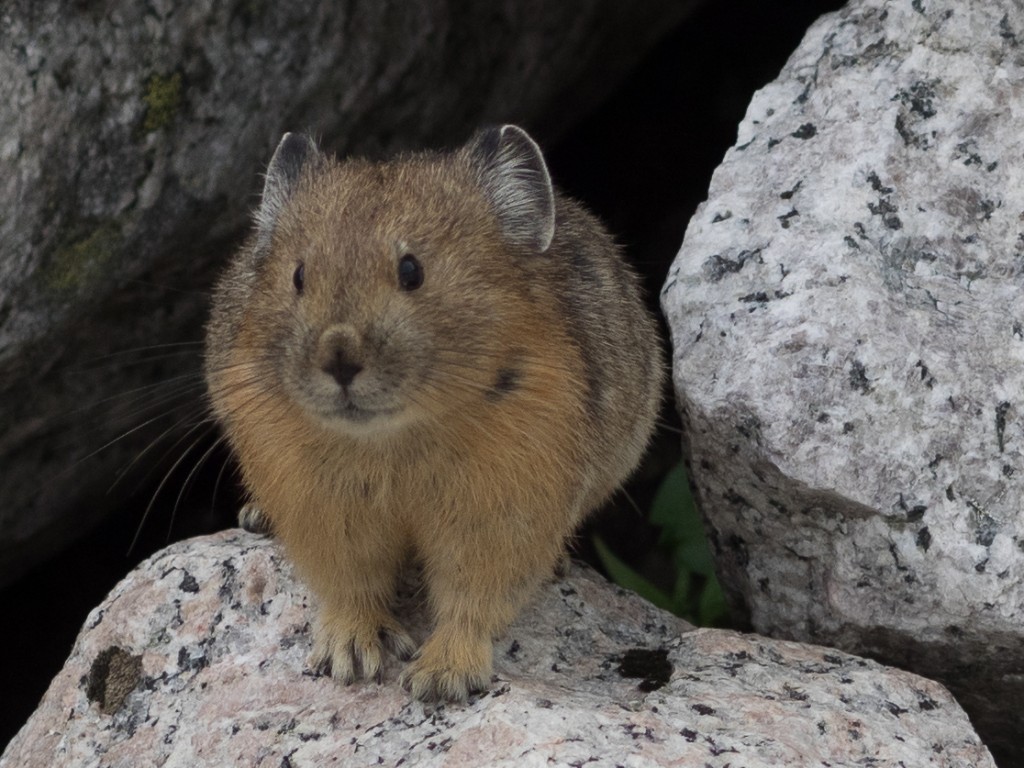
(437,357)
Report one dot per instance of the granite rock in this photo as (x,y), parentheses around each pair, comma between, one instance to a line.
(198,658)
(131,142)
(847,315)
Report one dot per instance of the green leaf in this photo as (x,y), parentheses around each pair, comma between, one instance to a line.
(695,556)
(681,593)
(696,594)
(713,610)
(667,509)
(626,577)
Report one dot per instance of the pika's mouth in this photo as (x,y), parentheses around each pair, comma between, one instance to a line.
(360,415)
(347,411)
(349,416)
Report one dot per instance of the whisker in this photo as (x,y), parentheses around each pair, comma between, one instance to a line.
(118,438)
(170,348)
(170,288)
(123,472)
(191,476)
(632,501)
(220,476)
(163,482)
(660,424)
(137,394)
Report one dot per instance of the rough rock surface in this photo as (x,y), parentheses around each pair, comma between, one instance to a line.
(847,314)
(131,141)
(197,658)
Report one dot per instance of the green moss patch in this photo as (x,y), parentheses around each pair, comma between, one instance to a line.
(79,262)
(163,97)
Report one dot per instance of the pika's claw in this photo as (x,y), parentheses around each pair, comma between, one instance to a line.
(398,643)
(355,653)
(448,674)
(442,685)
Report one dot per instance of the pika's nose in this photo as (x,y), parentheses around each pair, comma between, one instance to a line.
(341,368)
(338,355)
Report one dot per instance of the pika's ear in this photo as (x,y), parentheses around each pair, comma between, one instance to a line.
(294,153)
(515,179)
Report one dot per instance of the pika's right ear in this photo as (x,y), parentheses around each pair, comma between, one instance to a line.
(515,179)
(294,153)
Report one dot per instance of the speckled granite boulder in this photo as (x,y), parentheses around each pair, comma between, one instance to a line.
(132,136)
(847,315)
(198,658)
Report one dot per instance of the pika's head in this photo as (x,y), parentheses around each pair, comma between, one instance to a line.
(375,295)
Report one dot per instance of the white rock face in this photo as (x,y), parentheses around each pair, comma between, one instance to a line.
(198,658)
(847,313)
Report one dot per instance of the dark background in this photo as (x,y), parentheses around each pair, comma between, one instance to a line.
(642,161)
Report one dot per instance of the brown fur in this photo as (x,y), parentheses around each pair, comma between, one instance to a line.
(513,392)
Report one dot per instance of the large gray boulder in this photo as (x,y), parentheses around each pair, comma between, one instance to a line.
(847,315)
(132,136)
(198,658)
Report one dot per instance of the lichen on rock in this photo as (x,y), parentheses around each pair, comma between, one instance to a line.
(163,99)
(77,264)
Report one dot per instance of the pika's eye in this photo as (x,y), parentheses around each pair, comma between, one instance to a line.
(410,273)
(299,278)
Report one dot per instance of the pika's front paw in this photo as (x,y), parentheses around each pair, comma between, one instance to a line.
(448,674)
(350,653)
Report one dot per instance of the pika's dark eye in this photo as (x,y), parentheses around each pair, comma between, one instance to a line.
(410,273)
(299,278)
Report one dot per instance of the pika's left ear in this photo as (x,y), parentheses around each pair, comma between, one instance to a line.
(515,180)
(296,154)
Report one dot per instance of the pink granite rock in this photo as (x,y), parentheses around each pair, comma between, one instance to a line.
(198,658)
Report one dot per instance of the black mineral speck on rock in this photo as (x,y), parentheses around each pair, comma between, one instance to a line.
(924,538)
(788,194)
(895,709)
(986,531)
(920,98)
(805,131)
(1001,410)
(739,550)
(186,663)
(785,218)
(877,185)
(718,266)
(916,513)
(859,377)
(651,665)
(188,583)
